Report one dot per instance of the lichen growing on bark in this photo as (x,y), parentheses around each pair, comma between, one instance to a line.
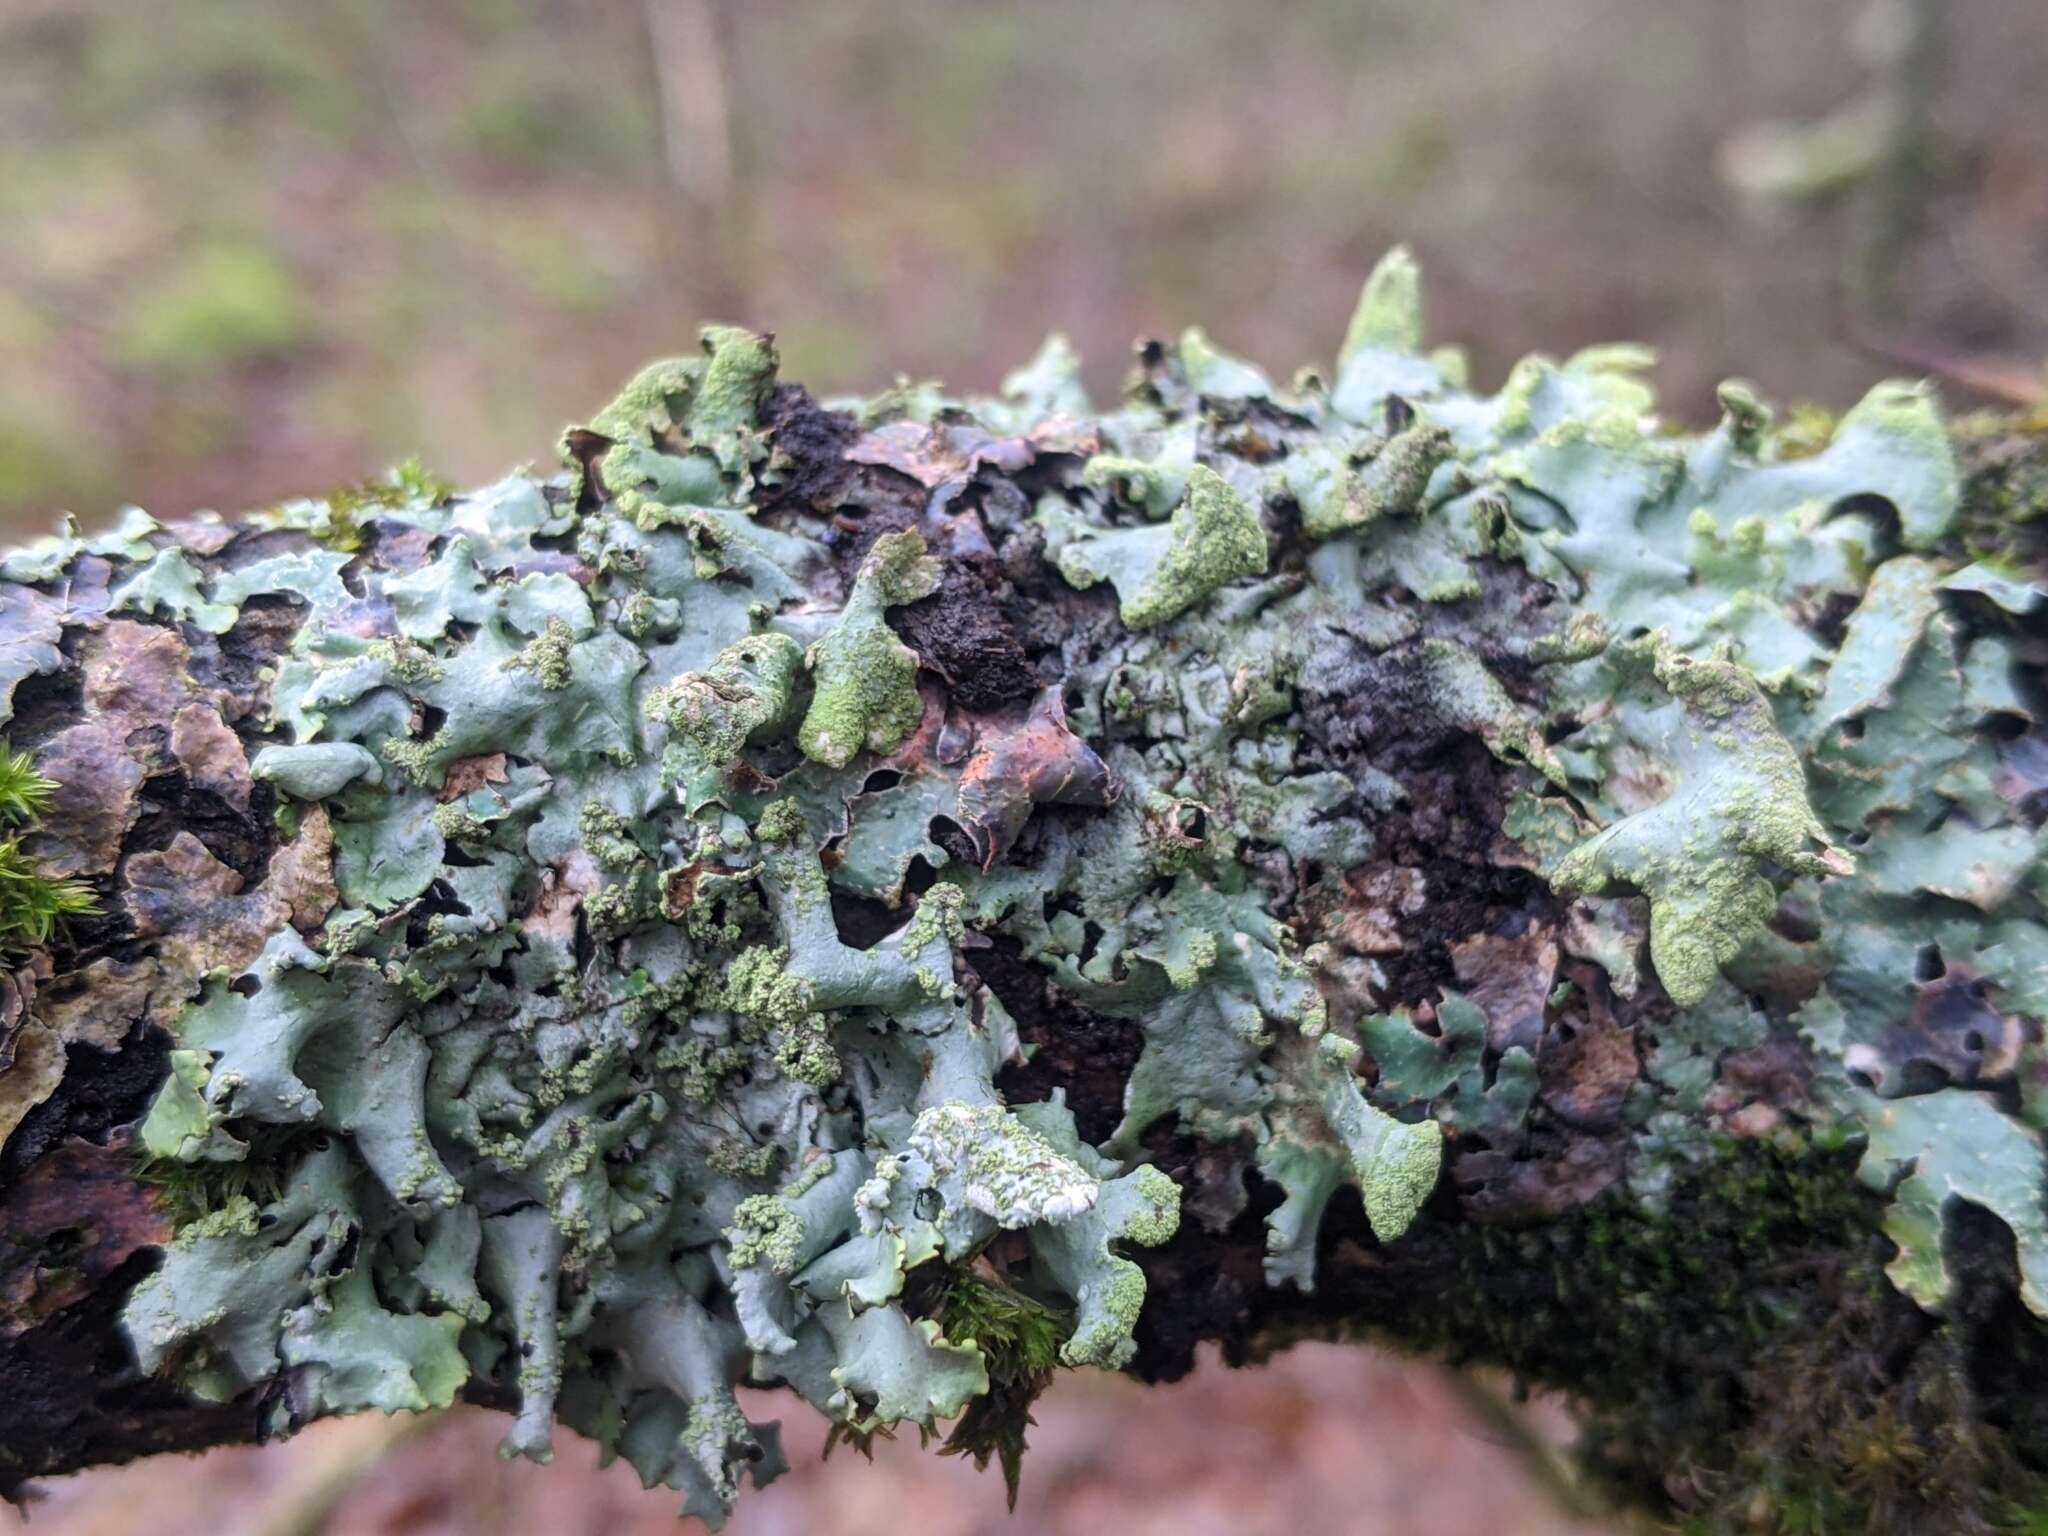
(682,880)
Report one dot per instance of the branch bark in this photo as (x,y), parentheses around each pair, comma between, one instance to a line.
(1287,781)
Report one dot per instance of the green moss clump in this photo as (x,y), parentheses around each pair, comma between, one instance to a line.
(1737,1359)
(1020,1340)
(33,903)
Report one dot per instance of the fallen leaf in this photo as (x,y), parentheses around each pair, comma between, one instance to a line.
(1017,766)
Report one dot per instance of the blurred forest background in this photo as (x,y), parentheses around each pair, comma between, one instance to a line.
(254,249)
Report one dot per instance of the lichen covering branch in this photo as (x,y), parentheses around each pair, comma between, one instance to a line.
(601,989)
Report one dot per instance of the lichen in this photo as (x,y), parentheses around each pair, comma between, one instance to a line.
(1737,808)
(1213,537)
(1347,486)
(546,656)
(747,692)
(865,693)
(1454,778)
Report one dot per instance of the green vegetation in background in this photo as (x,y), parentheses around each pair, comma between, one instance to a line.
(221,305)
(926,174)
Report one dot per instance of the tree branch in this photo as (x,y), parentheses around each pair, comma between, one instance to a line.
(895,902)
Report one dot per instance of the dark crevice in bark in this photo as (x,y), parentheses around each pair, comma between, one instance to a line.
(100,1092)
(70,1395)
(1087,1054)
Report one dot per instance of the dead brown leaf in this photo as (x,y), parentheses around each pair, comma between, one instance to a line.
(944,453)
(1588,1062)
(1017,765)
(1498,1187)
(301,873)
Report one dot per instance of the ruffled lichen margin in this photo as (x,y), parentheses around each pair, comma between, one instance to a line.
(689,919)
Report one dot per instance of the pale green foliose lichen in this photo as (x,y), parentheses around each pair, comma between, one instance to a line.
(866,679)
(632,1066)
(711,715)
(1213,537)
(1736,809)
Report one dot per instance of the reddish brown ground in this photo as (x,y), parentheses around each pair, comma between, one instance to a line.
(1327,1441)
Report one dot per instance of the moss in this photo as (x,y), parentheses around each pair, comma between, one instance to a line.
(2004,466)
(34,904)
(199,1194)
(1020,1341)
(408,483)
(1744,1335)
